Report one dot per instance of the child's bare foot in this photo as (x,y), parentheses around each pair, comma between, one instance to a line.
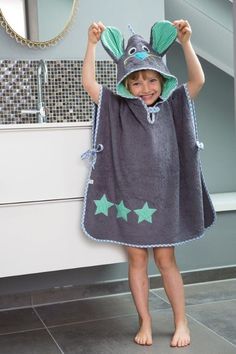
(181,337)
(144,335)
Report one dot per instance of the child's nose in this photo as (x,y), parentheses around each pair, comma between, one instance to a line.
(146,86)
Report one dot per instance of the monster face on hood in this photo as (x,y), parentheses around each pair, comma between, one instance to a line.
(141,55)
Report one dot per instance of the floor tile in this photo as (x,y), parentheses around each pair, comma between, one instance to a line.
(19,320)
(220,317)
(116,336)
(85,310)
(33,342)
(206,292)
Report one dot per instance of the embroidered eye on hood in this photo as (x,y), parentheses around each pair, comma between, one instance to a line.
(141,55)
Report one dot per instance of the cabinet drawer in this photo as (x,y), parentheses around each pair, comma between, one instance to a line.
(43,164)
(42,237)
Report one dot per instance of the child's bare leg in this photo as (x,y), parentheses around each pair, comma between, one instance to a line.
(173,284)
(139,286)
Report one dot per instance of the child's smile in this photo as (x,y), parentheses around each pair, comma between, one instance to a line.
(149,99)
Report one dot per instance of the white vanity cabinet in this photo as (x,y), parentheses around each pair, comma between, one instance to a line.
(41,188)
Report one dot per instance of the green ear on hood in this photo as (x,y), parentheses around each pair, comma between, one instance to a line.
(113,42)
(163,35)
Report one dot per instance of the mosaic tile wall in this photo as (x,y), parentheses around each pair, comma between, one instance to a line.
(64,96)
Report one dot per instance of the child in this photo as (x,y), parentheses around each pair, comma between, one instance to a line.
(145,187)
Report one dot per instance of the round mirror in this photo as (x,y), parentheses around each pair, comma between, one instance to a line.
(37,23)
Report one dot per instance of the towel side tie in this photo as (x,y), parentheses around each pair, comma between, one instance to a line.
(200,145)
(91,154)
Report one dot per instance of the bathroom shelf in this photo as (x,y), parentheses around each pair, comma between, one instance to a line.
(224,201)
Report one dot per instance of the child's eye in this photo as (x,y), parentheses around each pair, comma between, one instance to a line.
(132,50)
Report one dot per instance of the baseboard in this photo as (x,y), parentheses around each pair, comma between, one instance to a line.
(71,293)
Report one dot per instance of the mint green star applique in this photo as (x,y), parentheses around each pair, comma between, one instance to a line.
(122,211)
(145,214)
(102,205)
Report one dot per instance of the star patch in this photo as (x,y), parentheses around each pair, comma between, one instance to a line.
(102,205)
(122,211)
(145,214)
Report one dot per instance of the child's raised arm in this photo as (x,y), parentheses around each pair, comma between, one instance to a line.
(196,76)
(88,72)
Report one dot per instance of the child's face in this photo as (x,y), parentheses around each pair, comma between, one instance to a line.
(146,85)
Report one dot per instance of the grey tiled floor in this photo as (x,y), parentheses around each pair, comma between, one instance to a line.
(107,325)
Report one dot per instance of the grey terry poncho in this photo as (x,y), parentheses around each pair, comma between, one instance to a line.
(145,186)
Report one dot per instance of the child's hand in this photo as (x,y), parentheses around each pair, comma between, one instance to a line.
(95,31)
(184,30)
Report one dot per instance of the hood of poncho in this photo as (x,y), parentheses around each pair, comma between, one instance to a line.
(141,55)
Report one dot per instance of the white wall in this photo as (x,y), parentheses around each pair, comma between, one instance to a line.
(140,14)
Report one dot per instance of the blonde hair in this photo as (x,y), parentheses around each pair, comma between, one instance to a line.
(135,75)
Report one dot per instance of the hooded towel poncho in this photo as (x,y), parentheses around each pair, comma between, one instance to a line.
(145,186)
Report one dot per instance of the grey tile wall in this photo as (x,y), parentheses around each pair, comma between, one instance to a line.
(64,96)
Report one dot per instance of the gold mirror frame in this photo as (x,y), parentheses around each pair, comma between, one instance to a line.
(34,44)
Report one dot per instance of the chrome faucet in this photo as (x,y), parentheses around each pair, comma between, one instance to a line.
(42,78)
